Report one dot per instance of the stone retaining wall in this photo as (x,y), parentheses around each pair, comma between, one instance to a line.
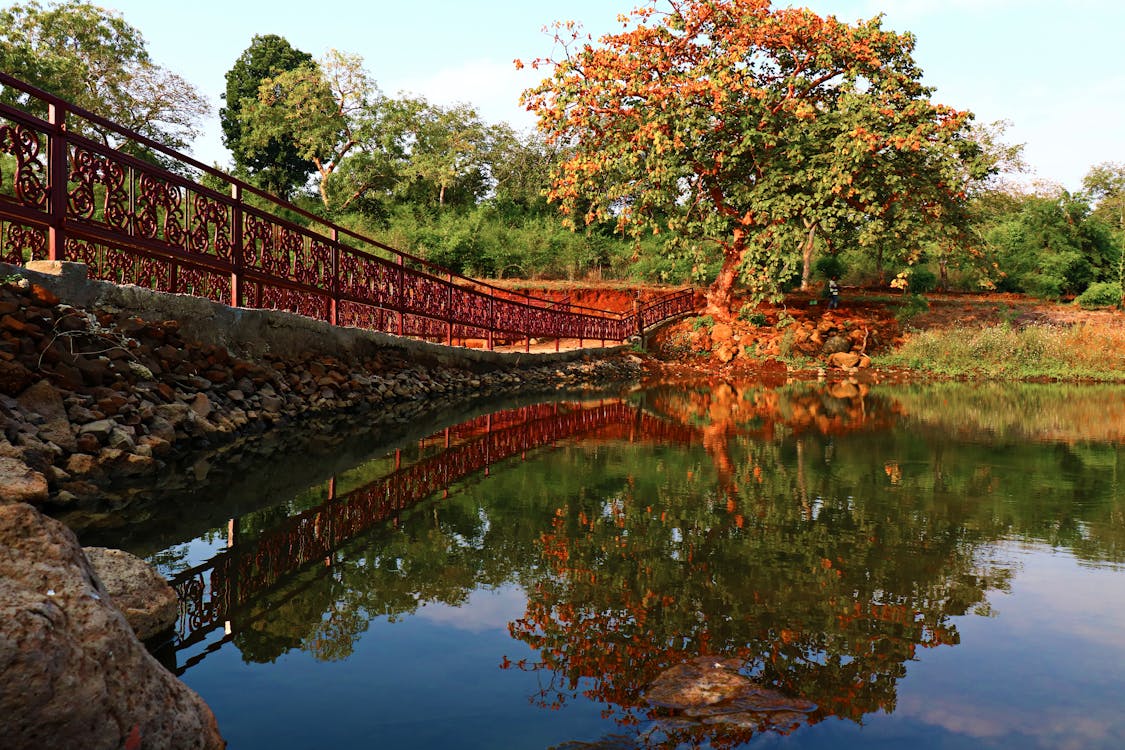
(101,382)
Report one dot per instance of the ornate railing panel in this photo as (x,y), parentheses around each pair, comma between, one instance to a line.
(64,196)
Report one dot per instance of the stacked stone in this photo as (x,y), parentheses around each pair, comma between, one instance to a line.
(88,396)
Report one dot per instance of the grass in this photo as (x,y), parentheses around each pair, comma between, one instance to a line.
(1081,352)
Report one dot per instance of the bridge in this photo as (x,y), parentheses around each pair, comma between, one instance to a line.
(187,228)
(221,592)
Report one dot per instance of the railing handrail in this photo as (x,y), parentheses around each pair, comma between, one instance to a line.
(317,229)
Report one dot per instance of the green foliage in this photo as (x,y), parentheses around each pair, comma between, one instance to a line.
(92,58)
(829,266)
(1101,294)
(1051,246)
(911,307)
(703,321)
(273,162)
(748,313)
(922,280)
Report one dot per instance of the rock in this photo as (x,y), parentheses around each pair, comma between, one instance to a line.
(700,682)
(149,604)
(21,484)
(721,332)
(100,429)
(42,398)
(75,675)
(14,377)
(836,344)
(844,359)
(725,351)
(201,405)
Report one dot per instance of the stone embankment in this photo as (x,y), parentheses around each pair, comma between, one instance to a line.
(101,384)
(115,382)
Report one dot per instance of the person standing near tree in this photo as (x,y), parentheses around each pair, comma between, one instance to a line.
(833,293)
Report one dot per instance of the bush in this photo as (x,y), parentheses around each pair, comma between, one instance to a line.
(923,280)
(1100,294)
(703,321)
(829,266)
(911,307)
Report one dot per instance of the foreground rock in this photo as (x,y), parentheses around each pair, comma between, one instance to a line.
(149,604)
(74,675)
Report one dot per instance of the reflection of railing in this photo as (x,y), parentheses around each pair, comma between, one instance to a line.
(64,196)
(210,592)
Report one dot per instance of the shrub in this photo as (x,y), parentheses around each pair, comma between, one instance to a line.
(703,321)
(911,307)
(828,266)
(1100,294)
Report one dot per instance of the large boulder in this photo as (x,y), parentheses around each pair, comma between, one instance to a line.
(149,604)
(74,674)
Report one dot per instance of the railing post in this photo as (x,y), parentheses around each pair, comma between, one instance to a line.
(58,168)
(449,311)
(491,317)
(334,301)
(401,293)
(237,254)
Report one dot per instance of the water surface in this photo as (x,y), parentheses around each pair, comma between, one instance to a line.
(933,567)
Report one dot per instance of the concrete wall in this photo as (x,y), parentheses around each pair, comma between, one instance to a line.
(252,333)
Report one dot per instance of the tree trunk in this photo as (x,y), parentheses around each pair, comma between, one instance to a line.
(719,294)
(807,257)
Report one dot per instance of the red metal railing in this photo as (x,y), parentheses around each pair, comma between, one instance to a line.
(67,196)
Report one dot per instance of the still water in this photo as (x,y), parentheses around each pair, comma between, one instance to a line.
(924,567)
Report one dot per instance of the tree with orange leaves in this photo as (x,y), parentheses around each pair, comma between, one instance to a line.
(746,132)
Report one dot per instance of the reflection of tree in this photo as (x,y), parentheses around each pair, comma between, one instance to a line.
(805,534)
(829,607)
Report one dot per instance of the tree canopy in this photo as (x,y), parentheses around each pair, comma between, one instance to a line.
(274,162)
(91,57)
(738,128)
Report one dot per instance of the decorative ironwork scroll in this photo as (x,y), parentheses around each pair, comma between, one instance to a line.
(29,183)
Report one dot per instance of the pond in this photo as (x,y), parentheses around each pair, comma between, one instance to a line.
(706,564)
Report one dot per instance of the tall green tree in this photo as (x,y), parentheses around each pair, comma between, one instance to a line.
(331,110)
(274,163)
(91,57)
(447,151)
(734,126)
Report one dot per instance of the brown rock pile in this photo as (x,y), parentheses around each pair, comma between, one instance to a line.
(92,395)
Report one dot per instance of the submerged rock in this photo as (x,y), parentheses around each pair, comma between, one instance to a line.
(74,674)
(700,682)
(710,691)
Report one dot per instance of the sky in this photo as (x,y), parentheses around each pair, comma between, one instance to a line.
(1054,68)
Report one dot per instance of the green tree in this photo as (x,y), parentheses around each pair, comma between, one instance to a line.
(447,150)
(521,170)
(1051,246)
(735,127)
(275,164)
(331,111)
(1105,183)
(91,57)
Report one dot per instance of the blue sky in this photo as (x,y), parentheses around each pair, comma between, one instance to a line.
(1056,70)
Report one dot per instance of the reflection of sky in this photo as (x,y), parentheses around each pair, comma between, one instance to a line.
(1047,671)
(486,609)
